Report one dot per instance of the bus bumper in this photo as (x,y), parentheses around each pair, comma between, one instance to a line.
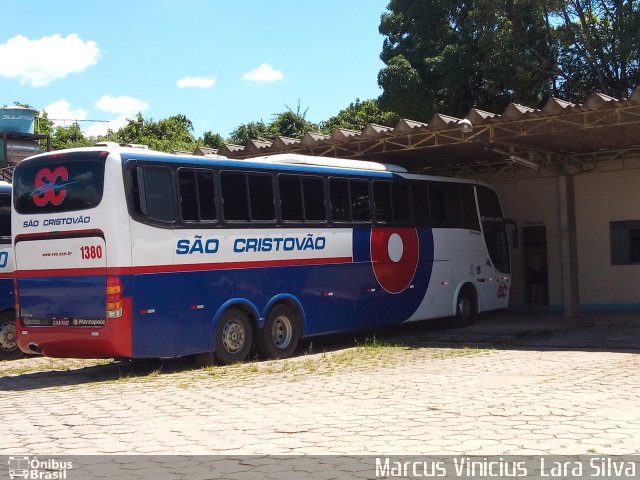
(112,340)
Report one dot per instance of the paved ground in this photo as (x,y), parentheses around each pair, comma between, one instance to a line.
(512,384)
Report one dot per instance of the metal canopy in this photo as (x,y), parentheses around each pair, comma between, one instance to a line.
(560,137)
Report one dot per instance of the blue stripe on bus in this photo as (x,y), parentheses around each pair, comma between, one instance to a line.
(338,297)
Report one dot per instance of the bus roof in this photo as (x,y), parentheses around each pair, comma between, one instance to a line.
(284,161)
(296,159)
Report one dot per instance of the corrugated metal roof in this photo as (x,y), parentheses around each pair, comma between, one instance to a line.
(555,133)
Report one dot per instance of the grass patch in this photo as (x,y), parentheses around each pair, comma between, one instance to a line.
(365,354)
(461,352)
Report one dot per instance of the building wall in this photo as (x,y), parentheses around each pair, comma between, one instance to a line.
(600,199)
(532,202)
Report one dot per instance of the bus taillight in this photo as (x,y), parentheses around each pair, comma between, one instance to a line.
(114,297)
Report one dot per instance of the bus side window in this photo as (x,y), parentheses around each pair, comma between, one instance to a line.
(454,216)
(156,193)
(401,203)
(382,202)
(437,205)
(360,202)
(469,210)
(420,203)
(188,195)
(235,196)
(314,201)
(261,197)
(339,195)
(197,195)
(290,191)
(206,196)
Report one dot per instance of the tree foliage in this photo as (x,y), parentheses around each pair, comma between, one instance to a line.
(285,124)
(451,55)
(598,47)
(166,135)
(357,116)
(212,140)
(69,136)
(247,131)
(291,124)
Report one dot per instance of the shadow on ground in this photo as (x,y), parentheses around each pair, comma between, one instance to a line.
(618,332)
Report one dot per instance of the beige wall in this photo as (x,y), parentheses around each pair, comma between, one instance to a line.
(533,202)
(602,198)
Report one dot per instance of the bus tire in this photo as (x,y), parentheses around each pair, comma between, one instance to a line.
(281,332)
(465,307)
(8,338)
(234,337)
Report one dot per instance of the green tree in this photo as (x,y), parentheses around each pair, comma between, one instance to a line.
(285,124)
(598,45)
(68,137)
(357,116)
(212,140)
(291,124)
(43,126)
(247,131)
(166,135)
(450,55)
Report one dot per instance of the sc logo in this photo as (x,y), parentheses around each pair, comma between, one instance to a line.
(50,186)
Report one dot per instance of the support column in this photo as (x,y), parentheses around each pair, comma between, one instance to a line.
(568,246)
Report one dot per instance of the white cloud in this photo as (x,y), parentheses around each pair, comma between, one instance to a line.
(39,62)
(264,73)
(100,129)
(124,105)
(61,110)
(196,82)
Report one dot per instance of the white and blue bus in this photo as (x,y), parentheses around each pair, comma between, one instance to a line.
(124,252)
(8,344)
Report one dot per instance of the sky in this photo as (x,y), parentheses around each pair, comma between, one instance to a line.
(221,63)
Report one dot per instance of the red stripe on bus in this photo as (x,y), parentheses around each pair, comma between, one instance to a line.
(71,272)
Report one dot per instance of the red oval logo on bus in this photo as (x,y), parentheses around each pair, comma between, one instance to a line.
(50,186)
(394,254)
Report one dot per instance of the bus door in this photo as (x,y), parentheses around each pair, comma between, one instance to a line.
(495,290)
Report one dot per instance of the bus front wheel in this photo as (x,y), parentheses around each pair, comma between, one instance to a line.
(8,339)
(234,336)
(281,333)
(465,307)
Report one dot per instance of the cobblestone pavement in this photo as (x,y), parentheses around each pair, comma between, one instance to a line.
(370,399)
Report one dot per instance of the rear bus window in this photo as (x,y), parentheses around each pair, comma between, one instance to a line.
(59,185)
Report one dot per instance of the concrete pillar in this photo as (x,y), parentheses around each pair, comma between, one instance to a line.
(568,246)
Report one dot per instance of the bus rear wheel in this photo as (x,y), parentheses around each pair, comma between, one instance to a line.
(281,332)
(234,336)
(465,307)
(8,339)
